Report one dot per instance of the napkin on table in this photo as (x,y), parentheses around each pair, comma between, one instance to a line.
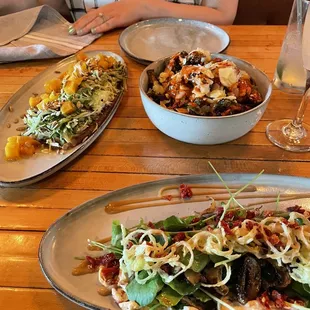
(38,33)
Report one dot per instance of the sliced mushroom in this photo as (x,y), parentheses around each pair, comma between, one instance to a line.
(249,280)
(215,275)
(274,275)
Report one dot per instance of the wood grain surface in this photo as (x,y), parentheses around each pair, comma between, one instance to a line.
(130,151)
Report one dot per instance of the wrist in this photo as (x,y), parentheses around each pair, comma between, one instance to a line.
(153,9)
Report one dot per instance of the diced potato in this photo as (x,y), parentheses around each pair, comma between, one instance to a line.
(53,96)
(20,146)
(67,108)
(33,101)
(53,85)
(81,56)
(72,85)
(42,105)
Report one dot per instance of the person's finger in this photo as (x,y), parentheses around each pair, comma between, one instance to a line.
(82,22)
(95,23)
(106,26)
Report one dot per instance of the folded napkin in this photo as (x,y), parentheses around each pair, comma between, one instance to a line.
(38,33)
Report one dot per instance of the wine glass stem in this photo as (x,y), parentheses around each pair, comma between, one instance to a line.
(297,122)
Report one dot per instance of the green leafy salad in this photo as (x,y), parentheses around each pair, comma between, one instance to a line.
(225,257)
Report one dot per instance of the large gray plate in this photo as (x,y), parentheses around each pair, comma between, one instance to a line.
(152,39)
(27,171)
(68,236)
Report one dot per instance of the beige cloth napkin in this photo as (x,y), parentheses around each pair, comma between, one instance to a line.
(38,33)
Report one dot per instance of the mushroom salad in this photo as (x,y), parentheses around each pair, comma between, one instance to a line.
(225,257)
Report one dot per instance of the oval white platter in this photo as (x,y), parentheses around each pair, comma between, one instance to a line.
(41,165)
(67,237)
(149,40)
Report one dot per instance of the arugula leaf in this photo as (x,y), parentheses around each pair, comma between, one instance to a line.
(146,293)
(155,305)
(302,289)
(159,239)
(216,259)
(189,219)
(201,296)
(183,287)
(169,297)
(174,223)
(201,260)
(159,225)
(306,287)
(116,234)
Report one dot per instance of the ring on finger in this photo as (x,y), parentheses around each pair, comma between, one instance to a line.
(103,17)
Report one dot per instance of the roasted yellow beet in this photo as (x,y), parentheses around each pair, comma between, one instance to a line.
(52,85)
(42,105)
(20,146)
(105,62)
(72,85)
(33,101)
(67,108)
(44,96)
(81,56)
(83,66)
(62,75)
(53,96)
(111,61)
(12,151)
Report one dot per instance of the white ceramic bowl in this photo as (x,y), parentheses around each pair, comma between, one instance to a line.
(205,129)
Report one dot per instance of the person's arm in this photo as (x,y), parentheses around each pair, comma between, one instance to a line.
(224,13)
(127,12)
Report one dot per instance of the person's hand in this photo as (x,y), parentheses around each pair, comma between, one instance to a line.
(117,14)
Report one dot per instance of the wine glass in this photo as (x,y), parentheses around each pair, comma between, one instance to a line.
(293,76)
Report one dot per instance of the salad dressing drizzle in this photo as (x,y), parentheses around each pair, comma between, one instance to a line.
(250,188)
(83,268)
(162,200)
(201,196)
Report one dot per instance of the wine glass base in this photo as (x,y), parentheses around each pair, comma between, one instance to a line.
(285,135)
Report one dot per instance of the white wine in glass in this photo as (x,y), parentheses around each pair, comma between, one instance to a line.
(294,135)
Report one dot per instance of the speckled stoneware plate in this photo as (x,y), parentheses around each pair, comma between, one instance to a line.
(67,237)
(27,171)
(152,39)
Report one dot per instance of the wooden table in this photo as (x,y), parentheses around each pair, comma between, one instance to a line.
(130,151)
